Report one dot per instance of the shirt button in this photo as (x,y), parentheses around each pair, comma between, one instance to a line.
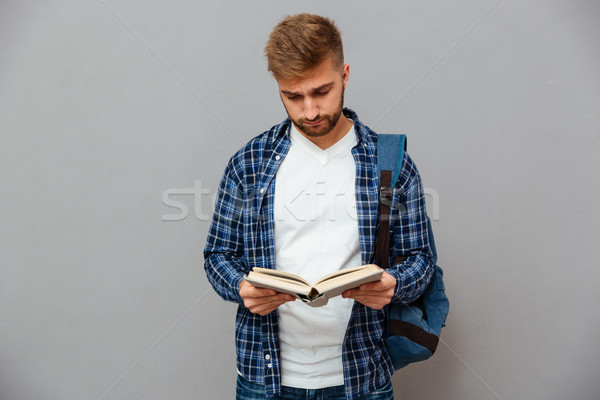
(268,357)
(269,365)
(262,190)
(277,157)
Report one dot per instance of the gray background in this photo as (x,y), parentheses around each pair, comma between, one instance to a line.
(105,106)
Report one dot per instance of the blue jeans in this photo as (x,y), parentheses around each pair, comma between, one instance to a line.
(246,390)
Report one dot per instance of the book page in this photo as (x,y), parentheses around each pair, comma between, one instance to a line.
(345,271)
(336,285)
(280,274)
(279,281)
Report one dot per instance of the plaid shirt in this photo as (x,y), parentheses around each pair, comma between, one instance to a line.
(241,236)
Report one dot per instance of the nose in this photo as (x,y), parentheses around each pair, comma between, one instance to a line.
(311,111)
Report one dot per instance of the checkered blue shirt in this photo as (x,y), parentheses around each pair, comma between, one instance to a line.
(241,236)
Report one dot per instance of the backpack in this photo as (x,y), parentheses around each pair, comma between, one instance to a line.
(413,330)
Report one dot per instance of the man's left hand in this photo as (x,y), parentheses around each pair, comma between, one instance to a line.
(375,294)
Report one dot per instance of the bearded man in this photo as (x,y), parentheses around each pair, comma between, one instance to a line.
(302,197)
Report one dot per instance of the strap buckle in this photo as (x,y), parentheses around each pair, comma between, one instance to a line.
(385,196)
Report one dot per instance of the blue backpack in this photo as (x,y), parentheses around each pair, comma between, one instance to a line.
(413,330)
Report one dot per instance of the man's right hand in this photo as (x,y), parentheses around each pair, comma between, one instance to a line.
(262,301)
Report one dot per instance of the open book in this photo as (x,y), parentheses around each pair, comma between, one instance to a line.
(315,295)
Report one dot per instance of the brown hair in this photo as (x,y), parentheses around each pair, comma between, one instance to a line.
(301,42)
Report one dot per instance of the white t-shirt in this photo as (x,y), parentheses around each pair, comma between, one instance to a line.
(316,233)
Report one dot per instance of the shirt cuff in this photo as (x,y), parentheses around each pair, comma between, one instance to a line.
(400,289)
(236,288)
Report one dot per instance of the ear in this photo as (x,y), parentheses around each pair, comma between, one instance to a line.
(345,74)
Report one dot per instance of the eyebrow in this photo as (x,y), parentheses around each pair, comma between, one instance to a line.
(318,89)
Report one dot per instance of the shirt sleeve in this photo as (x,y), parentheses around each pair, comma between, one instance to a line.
(410,237)
(224,250)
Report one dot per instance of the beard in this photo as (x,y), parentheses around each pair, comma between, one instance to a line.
(328,121)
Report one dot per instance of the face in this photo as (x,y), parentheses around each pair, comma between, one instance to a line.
(314,103)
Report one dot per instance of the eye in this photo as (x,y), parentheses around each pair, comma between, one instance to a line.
(292,96)
(322,93)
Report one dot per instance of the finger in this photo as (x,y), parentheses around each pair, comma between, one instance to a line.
(257,301)
(279,297)
(368,292)
(370,297)
(375,287)
(384,284)
(249,290)
(259,292)
(263,308)
(376,302)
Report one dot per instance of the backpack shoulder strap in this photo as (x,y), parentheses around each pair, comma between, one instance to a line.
(390,153)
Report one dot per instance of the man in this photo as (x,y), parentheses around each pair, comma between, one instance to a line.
(303,198)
